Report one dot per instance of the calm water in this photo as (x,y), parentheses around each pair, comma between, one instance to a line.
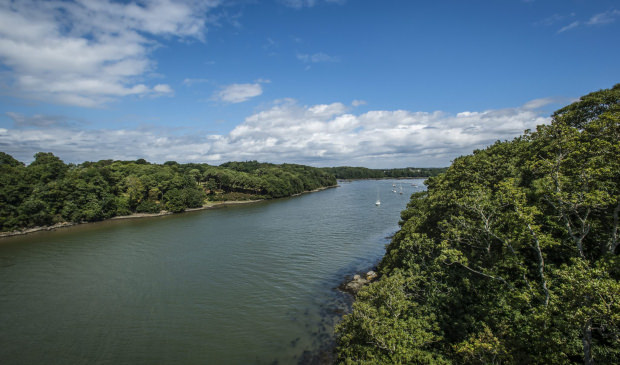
(250,284)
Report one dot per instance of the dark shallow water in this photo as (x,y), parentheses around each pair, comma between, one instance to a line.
(247,284)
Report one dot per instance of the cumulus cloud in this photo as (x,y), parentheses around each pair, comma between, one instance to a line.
(92,145)
(90,52)
(238,93)
(163,89)
(321,135)
(330,135)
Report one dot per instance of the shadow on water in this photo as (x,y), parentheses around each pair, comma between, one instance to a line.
(340,303)
(331,312)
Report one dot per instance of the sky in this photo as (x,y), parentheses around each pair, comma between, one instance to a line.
(374,83)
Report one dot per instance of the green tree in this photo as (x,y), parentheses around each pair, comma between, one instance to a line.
(510,256)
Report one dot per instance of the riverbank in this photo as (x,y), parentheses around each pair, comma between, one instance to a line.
(208,205)
(384,178)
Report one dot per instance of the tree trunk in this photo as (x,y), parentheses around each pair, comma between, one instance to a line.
(613,239)
(587,343)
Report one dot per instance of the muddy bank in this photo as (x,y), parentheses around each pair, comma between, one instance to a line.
(210,205)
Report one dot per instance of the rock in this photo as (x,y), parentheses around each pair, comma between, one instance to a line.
(354,285)
(371,275)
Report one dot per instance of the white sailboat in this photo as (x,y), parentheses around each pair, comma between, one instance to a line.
(378,202)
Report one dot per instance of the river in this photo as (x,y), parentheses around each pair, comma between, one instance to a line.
(244,284)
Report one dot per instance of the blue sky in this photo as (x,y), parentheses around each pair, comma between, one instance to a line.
(321,82)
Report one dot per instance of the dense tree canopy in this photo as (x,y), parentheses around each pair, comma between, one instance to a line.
(510,257)
(347,172)
(49,191)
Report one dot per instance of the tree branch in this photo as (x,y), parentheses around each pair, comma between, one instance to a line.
(612,244)
(541,264)
(482,274)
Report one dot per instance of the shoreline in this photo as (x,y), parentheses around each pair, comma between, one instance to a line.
(208,205)
(385,178)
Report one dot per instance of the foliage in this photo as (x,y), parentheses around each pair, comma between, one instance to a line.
(510,257)
(347,172)
(49,191)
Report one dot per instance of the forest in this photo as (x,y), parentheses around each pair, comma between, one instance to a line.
(48,191)
(510,256)
(352,173)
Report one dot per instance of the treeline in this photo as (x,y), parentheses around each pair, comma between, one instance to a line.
(48,191)
(510,257)
(347,172)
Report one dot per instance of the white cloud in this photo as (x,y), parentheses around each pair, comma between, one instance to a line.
(604,18)
(317,58)
(192,82)
(89,52)
(78,146)
(358,102)
(238,93)
(553,19)
(572,25)
(323,135)
(298,4)
(163,89)
(538,103)
(37,120)
(596,20)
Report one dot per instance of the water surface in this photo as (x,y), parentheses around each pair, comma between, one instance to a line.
(245,284)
